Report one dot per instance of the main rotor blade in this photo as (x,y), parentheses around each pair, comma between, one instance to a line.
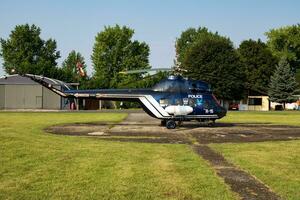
(145,70)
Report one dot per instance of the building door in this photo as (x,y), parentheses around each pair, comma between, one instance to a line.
(23,96)
(32,96)
(39,101)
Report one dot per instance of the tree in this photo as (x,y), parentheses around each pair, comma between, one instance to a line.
(114,51)
(285,42)
(70,71)
(186,39)
(258,63)
(25,52)
(283,84)
(213,59)
(148,81)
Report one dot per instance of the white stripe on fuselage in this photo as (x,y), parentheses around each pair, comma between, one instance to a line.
(157,106)
(147,100)
(150,107)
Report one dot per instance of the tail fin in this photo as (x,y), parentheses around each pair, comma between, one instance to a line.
(42,81)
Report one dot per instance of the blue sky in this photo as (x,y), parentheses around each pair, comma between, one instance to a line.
(74,24)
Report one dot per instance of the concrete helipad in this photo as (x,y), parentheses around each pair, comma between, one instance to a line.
(139,127)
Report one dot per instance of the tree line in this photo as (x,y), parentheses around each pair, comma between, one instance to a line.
(266,68)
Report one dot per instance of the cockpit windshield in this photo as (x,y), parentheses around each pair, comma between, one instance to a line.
(180,84)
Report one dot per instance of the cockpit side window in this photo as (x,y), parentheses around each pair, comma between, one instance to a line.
(192,102)
(206,104)
(196,102)
(164,102)
(178,102)
(211,102)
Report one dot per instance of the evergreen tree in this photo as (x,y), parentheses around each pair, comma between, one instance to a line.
(283,84)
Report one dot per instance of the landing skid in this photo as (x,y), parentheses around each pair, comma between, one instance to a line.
(171,123)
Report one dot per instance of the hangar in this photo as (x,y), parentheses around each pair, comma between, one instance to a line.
(18,92)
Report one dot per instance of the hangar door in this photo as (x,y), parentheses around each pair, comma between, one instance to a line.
(23,96)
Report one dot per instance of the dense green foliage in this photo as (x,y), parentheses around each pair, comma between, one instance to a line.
(186,39)
(210,57)
(69,67)
(283,84)
(298,77)
(26,52)
(285,42)
(258,63)
(147,81)
(114,51)
(70,72)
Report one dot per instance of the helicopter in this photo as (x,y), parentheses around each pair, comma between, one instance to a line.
(173,99)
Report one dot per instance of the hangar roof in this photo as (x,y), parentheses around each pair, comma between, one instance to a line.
(21,80)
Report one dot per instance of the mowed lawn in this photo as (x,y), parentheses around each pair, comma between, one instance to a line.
(277,164)
(291,118)
(38,165)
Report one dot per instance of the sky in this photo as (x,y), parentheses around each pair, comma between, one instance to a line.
(75,23)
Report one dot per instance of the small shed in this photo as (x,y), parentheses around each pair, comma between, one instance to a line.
(258,103)
(18,92)
(255,101)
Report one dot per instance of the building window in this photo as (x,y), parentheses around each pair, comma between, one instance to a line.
(244,101)
(255,101)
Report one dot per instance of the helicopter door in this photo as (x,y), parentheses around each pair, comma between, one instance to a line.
(201,104)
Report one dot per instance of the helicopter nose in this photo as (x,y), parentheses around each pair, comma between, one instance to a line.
(222,112)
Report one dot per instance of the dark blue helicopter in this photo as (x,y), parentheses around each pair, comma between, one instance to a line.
(174,99)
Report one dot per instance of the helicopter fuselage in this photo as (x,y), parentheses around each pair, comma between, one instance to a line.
(155,103)
(172,99)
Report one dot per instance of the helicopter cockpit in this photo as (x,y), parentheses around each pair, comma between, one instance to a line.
(180,84)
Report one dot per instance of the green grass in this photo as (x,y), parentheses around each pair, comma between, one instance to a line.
(37,165)
(277,164)
(273,117)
